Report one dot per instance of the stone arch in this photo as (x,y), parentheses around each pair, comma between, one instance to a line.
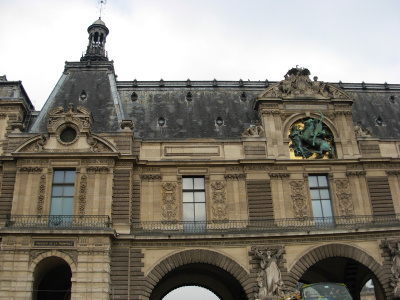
(200,256)
(52,272)
(55,253)
(327,121)
(338,250)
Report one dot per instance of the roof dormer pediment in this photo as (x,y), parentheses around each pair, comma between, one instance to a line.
(298,86)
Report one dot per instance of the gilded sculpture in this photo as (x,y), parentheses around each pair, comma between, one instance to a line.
(311,137)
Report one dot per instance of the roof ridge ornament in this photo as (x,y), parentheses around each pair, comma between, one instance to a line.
(102,8)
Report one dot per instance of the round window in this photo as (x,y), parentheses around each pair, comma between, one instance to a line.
(68,135)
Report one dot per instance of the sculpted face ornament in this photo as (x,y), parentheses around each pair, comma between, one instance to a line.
(311,139)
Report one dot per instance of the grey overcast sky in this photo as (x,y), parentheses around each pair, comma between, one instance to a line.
(347,40)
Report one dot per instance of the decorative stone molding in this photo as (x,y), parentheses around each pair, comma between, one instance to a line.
(31,169)
(219,201)
(375,166)
(82,194)
(41,195)
(235,176)
(393,173)
(169,206)
(98,169)
(279,175)
(344,196)
(150,176)
(356,173)
(95,161)
(299,198)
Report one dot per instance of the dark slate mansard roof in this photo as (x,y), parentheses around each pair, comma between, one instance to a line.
(232,101)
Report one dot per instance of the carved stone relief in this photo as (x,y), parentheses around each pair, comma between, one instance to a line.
(219,201)
(254,131)
(235,176)
(98,169)
(82,194)
(169,207)
(344,196)
(297,84)
(299,198)
(150,176)
(41,195)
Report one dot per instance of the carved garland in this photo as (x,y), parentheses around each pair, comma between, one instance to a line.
(169,207)
(298,195)
(345,198)
(41,194)
(219,201)
(82,194)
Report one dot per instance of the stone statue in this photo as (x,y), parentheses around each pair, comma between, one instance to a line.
(254,130)
(269,278)
(313,138)
(395,253)
(360,132)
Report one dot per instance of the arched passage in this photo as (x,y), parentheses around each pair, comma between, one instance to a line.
(52,279)
(341,263)
(208,269)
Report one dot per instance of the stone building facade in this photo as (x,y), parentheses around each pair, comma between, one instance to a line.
(130,189)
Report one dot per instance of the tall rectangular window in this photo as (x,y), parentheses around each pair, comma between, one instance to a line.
(320,198)
(194,204)
(62,193)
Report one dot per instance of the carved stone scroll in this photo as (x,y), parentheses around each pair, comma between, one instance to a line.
(82,194)
(168,205)
(344,196)
(219,201)
(41,196)
(299,198)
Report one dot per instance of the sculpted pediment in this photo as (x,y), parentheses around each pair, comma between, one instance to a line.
(90,143)
(298,85)
(68,132)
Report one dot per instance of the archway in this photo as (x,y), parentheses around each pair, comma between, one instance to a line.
(344,264)
(52,280)
(204,268)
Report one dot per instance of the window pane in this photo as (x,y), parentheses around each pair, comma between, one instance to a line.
(56,206)
(200,212)
(58,177)
(199,183)
(68,191)
(187,196)
(57,191)
(199,197)
(67,206)
(326,208)
(70,176)
(187,183)
(324,194)
(188,214)
(315,194)
(312,181)
(322,181)
(316,205)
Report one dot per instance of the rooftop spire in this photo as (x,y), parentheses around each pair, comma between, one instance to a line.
(98,32)
(102,2)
